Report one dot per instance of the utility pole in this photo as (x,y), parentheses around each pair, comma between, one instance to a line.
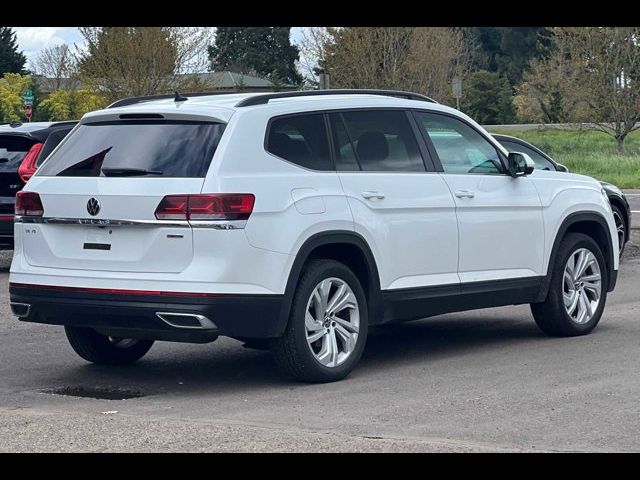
(324,81)
(456,83)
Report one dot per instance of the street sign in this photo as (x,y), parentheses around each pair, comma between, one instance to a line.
(28,111)
(27,97)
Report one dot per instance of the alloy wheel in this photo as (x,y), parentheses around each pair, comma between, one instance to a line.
(581,285)
(620,229)
(332,322)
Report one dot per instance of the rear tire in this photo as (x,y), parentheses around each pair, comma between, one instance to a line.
(104,350)
(575,300)
(327,327)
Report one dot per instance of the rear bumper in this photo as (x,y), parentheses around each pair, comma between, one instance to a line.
(134,314)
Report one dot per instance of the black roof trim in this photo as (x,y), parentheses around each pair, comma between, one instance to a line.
(264,99)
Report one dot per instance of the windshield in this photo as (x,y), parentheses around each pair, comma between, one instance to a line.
(136,148)
(13,149)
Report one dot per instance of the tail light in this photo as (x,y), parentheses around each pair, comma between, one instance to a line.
(29,204)
(28,166)
(223,206)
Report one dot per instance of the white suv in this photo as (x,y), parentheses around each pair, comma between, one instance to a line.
(298,220)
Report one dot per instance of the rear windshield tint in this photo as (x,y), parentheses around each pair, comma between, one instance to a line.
(162,148)
(13,149)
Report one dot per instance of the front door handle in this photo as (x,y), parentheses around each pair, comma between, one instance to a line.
(464,194)
(371,195)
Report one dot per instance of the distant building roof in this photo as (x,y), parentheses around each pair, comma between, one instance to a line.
(48,85)
(233,80)
(224,80)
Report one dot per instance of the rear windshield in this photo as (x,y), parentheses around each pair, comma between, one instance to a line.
(136,148)
(13,149)
(54,138)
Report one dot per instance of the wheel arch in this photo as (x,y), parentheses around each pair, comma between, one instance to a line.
(617,202)
(347,247)
(595,226)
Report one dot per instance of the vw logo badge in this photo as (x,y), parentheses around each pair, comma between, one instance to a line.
(93,206)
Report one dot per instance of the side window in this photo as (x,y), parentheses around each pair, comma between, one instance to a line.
(460,147)
(375,141)
(300,139)
(541,162)
(345,152)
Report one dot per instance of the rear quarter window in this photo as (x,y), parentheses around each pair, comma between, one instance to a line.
(300,139)
(162,148)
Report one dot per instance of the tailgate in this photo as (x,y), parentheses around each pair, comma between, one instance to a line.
(123,236)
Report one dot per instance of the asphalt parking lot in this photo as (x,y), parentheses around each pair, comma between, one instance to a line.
(477,381)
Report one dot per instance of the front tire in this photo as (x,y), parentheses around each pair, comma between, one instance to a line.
(327,327)
(105,350)
(621,227)
(578,290)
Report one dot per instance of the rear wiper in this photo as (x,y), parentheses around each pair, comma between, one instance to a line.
(128,172)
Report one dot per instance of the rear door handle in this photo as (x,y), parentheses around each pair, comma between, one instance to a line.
(464,194)
(371,195)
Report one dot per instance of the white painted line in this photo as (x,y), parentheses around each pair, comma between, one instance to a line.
(632,194)
(635,211)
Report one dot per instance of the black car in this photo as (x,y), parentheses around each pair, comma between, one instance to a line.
(619,204)
(23,147)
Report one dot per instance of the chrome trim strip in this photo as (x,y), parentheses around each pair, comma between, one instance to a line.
(205,323)
(105,222)
(219,224)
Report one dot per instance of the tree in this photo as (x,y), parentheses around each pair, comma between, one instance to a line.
(418,59)
(600,65)
(263,51)
(507,51)
(71,104)
(137,61)
(58,65)
(12,86)
(489,98)
(313,52)
(11,60)
(548,92)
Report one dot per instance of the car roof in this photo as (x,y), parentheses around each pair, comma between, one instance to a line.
(221,107)
(32,126)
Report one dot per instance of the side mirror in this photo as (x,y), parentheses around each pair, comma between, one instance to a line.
(561,168)
(520,164)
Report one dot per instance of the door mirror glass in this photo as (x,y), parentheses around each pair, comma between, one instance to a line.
(520,164)
(561,168)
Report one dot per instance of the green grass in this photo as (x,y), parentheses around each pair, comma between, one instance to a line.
(590,153)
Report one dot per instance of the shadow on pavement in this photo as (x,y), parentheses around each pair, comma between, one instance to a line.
(229,368)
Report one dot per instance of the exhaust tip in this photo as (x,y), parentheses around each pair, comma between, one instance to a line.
(20,309)
(186,320)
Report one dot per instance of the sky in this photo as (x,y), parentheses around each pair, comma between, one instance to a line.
(33,39)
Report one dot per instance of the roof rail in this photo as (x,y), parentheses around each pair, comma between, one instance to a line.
(133,100)
(263,99)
